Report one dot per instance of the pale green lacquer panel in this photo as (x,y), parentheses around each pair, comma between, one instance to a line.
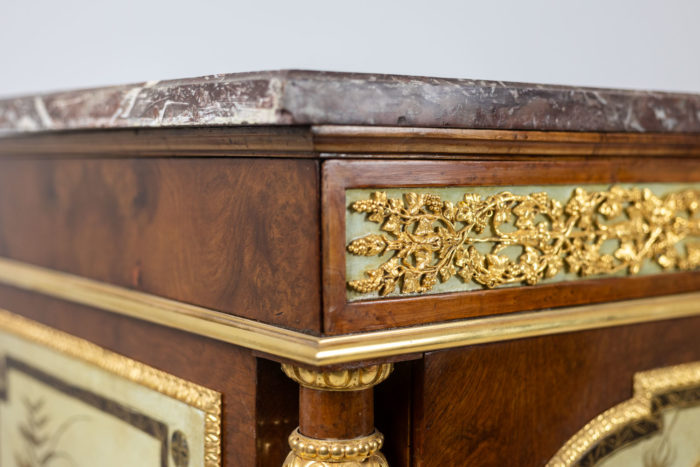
(358,225)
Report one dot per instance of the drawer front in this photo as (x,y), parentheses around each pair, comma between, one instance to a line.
(414,242)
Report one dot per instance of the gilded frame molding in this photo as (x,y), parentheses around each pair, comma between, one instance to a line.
(633,419)
(194,395)
(330,350)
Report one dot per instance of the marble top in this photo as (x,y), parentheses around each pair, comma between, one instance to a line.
(292,97)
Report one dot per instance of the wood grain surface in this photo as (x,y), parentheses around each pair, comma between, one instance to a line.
(336,414)
(339,175)
(518,402)
(244,141)
(450,143)
(339,141)
(237,235)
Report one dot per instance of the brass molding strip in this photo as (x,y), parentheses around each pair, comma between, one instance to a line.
(195,319)
(338,140)
(320,351)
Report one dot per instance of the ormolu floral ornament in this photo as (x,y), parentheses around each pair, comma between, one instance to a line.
(430,239)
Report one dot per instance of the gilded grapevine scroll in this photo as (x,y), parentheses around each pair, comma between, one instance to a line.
(426,239)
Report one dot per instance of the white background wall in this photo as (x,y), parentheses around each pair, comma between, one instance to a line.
(58,44)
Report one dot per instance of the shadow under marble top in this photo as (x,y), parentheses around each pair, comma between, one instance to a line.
(292,97)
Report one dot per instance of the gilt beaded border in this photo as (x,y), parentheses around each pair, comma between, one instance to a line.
(357,449)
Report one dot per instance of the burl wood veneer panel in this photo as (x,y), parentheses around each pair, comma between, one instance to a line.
(237,235)
(517,403)
(222,367)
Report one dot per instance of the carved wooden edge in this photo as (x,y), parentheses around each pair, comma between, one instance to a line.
(285,141)
(338,141)
(385,141)
(362,451)
(636,418)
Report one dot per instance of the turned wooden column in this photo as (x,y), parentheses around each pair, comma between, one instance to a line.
(336,417)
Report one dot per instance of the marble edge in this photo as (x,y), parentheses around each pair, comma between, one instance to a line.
(295,97)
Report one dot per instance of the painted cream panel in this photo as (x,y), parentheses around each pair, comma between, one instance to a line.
(677,445)
(79,413)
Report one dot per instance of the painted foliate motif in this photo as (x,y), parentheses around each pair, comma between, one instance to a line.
(41,443)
